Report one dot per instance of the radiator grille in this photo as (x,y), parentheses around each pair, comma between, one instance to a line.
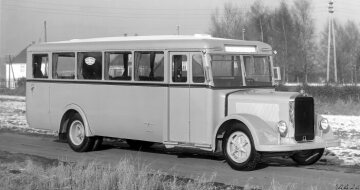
(304,118)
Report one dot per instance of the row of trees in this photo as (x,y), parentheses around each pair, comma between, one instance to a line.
(290,30)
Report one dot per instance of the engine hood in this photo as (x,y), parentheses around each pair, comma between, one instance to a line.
(268,105)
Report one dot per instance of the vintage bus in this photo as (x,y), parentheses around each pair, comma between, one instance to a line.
(198,91)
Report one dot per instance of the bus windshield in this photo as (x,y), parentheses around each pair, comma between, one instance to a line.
(257,71)
(227,71)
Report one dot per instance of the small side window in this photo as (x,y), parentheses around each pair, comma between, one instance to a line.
(40,65)
(90,65)
(63,65)
(118,65)
(149,66)
(197,69)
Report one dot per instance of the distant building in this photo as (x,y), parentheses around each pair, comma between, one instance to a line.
(15,69)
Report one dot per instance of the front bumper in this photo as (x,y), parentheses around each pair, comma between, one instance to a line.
(299,146)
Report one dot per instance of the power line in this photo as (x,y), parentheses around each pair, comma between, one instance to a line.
(102,14)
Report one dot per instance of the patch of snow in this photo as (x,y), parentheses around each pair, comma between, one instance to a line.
(347,128)
(16,98)
(13,116)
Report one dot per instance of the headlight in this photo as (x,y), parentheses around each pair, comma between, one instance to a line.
(324,124)
(282,127)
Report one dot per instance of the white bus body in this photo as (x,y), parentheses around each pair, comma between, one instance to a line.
(183,91)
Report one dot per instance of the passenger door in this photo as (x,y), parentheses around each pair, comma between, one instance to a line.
(200,133)
(179,96)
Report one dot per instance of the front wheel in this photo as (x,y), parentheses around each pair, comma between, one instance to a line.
(77,139)
(308,157)
(239,150)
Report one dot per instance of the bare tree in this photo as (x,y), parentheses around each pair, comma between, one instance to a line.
(304,31)
(229,23)
(282,27)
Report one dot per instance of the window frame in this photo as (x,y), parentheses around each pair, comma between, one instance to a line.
(49,65)
(135,66)
(53,70)
(252,57)
(79,65)
(203,67)
(187,54)
(106,67)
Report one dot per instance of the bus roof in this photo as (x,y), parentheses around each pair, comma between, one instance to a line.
(164,42)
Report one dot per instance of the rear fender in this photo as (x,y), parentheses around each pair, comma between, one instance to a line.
(83,116)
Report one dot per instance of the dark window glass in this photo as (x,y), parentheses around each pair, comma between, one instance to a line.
(149,66)
(90,65)
(40,65)
(63,65)
(118,65)
(179,68)
(197,69)
(257,70)
(226,70)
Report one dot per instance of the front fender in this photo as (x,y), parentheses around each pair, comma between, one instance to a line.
(77,108)
(262,133)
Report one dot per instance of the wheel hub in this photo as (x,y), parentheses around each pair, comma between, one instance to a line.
(77,132)
(238,147)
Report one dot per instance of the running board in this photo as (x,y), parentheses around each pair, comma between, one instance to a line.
(172,144)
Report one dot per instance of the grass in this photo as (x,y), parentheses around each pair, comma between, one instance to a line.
(19,171)
(95,175)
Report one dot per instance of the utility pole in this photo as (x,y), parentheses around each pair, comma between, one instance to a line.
(331,33)
(12,71)
(178,29)
(243,33)
(45,32)
(262,32)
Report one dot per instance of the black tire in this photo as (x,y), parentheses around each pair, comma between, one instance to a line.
(80,142)
(253,157)
(97,143)
(136,144)
(308,157)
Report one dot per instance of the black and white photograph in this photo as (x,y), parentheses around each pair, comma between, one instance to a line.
(179,94)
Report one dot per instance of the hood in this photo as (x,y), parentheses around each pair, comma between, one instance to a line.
(269,105)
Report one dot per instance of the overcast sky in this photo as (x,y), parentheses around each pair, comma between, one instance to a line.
(22,20)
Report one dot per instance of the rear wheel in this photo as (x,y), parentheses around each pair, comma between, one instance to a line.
(239,150)
(77,139)
(308,157)
(136,144)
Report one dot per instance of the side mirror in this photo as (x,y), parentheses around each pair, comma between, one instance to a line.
(276,71)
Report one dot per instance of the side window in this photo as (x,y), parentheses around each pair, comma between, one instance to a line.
(40,65)
(63,65)
(118,65)
(89,65)
(197,69)
(149,66)
(179,68)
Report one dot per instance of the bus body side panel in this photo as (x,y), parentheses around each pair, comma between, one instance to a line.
(37,105)
(121,111)
(131,112)
(200,116)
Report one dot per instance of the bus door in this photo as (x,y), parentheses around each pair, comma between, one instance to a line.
(179,95)
(199,110)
